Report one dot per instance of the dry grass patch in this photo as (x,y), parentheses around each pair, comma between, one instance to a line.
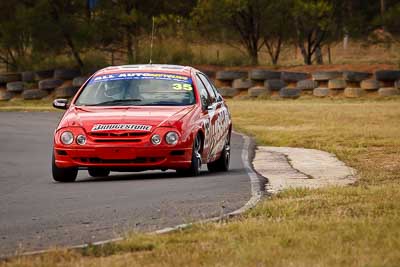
(26,105)
(337,226)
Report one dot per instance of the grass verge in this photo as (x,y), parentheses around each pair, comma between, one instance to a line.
(349,226)
(26,105)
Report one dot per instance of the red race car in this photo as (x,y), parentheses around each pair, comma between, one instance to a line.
(142,117)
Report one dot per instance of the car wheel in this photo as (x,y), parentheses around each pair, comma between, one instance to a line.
(222,164)
(98,172)
(64,175)
(195,166)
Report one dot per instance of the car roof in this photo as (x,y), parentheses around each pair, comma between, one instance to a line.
(176,69)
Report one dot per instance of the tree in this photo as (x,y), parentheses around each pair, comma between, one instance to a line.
(242,17)
(123,22)
(313,21)
(392,22)
(15,38)
(60,24)
(276,27)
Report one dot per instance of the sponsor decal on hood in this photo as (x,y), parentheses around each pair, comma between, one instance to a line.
(108,127)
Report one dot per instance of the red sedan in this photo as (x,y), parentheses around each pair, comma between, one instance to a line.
(142,117)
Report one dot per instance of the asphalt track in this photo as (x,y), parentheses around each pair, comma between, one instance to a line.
(37,213)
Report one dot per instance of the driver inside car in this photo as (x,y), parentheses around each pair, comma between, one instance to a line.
(120,90)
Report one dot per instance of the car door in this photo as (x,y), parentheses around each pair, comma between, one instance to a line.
(216,112)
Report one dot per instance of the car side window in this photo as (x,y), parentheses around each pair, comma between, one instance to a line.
(208,86)
(204,96)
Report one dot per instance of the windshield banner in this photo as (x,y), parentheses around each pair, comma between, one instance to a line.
(141,76)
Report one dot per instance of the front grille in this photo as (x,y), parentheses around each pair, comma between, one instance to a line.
(117,140)
(118,137)
(138,160)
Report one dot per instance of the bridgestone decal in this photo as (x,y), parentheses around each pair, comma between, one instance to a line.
(108,127)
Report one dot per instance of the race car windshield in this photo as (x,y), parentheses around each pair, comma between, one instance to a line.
(137,89)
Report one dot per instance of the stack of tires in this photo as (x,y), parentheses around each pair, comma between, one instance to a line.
(330,83)
(388,82)
(266,83)
(292,79)
(10,85)
(226,80)
(354,80)
(29,85)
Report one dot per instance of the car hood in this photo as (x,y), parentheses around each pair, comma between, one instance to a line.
(88,117)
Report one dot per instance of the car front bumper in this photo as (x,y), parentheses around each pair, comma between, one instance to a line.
(123,157)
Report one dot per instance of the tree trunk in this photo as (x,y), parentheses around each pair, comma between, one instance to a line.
(318,55)
(254,56)
(74,51)
(306,56)
(129,49)
(274,49)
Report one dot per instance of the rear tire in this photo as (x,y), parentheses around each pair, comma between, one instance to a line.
(63,175)
(98,172)
(222,164)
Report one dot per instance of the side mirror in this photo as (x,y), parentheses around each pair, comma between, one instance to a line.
(60,103)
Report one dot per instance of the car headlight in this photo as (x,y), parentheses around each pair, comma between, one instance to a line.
(171,138)
(81,139)
(156,139)
(67,138)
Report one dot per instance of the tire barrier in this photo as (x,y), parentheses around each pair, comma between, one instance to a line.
(236,84)
(79,81)
(230,75)
(292,93)
(370,84)
(388,91)
(9,77)
(241,84)
(50,84)
(66,74)
(354,76)
(262,75)
(28,76)
(5,95)
(337,84)
(44,74)
(397,84)
(34,94)
(258,91)
(307,85)
(293,77)
(65,91)
(228,91)
(354,92)
(274,85)
(15,87)
(326,75)
(321,92)
(387,75)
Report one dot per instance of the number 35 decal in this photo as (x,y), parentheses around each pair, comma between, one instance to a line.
(182,86)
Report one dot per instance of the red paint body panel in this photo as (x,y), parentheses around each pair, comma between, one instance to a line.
(132,149)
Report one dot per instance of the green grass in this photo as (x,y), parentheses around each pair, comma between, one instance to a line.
(338,226)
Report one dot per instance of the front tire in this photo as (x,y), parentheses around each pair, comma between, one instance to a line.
(98,172)
(195,165)
(63,175)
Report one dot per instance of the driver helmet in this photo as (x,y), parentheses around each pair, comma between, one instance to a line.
(115,89)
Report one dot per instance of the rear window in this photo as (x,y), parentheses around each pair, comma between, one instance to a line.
(137,89)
